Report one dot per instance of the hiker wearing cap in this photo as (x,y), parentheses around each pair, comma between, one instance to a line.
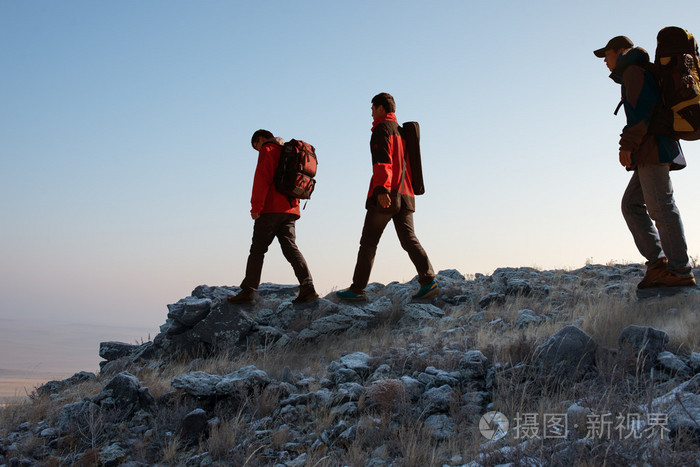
(390,198)
(275,215)
(648,199)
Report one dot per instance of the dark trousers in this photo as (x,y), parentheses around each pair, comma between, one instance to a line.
(375,222)
(648,200)
(266,228)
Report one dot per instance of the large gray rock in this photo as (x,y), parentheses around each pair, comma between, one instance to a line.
(339,374)
(243,380)
(332,324)
(451,274)
(112,455)
(441,427)
(673,365)
(194,426)
(381,308)
(53,387)
(77,415)
(518,287)
(567,354)
(125,395)
(190,310)
(224,328)
(414,388)
(214,293)
(434,377)
(681,405)
(201,384)
(694,362)
(644,342)
(280,318)
(491,298)
(197,383)
(357,315)
(527,318)
(113,350)
(415,313)
(348,392)
(358,362)
(437,400)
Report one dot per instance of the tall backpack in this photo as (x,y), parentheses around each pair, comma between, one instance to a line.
(295,172)
(676,69)
(411,134)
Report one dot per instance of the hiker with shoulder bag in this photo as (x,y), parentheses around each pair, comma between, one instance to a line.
(391,197)
(647,204)
(275,214)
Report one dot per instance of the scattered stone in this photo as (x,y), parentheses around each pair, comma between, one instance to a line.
(112,455)
(673,365)
(441,426)
(437,400)
(645,343)
(527,318)
(194,426)
(569,353)
(680,408)
(694,362)
(491,298)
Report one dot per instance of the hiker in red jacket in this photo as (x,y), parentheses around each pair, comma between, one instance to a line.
(275,216)
(390,198)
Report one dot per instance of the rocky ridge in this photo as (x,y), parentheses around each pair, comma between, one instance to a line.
(415,392)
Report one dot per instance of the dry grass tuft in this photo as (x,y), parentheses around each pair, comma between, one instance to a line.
(223,437)
(387,394)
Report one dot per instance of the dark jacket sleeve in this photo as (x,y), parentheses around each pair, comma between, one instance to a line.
(381,149)
(640,97)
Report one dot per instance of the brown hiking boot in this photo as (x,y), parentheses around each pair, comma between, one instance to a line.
(244,297)
(307,293)
(653,274)
(668,279)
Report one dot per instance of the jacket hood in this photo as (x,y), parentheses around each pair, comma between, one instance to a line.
(634,56)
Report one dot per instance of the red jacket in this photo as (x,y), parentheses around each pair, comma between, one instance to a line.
(265,197)
(388,157)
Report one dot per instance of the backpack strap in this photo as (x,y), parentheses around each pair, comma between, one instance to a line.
(403,171)
(617,109)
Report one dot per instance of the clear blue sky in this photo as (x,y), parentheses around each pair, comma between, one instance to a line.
(125,131)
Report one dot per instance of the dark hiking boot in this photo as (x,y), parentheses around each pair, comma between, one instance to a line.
(307,293)
(668,279)
(347,294)
(653,275)
(244,297)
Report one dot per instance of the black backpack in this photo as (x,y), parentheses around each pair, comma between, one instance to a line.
(676,69)
(295,172)
(411,134)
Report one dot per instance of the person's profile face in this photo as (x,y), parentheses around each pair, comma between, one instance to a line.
(611,58)
(378,112)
